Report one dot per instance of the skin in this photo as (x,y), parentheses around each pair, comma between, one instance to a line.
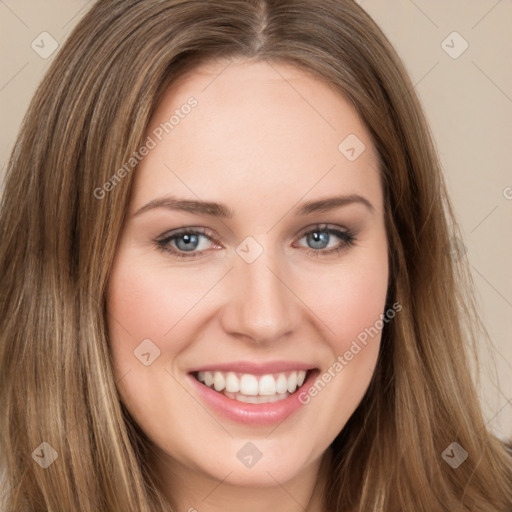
(263,138)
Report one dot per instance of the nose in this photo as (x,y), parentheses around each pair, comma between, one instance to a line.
(262,305)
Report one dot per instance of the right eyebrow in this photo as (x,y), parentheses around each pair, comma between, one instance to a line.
(188,205)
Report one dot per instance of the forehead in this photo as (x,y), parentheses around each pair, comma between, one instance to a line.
(257,126)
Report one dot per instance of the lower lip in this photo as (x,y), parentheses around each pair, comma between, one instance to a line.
(254,414)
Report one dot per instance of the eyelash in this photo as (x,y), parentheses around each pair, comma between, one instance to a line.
(347,237)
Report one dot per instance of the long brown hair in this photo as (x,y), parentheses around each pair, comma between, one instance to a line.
(87,118)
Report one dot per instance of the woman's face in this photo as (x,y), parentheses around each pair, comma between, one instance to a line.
(254,256)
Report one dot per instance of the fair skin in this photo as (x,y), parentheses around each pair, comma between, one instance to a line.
(262,141)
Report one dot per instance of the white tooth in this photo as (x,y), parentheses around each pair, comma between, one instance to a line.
(249,384)
(264,399)
(267,385)
(282,383)
(208,378)
(256,399)
(219,382)
(232,383)
(292,382)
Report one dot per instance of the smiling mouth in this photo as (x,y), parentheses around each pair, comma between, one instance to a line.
(254,389)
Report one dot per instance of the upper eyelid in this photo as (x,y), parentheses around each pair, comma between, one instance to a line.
(211,234)
(208,233)
(185,231)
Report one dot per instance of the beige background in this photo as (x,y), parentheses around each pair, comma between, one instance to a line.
(468,100)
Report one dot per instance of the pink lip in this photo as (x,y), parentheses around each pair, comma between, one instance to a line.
(253,414)
(254,368)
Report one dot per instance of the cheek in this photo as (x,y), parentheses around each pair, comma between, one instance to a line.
(352,307)
(151,302)
(350,301)
(356,306)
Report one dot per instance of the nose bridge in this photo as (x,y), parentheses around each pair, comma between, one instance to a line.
(261,306)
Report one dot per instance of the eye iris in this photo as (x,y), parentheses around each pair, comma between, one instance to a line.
(190,242)
(318,239)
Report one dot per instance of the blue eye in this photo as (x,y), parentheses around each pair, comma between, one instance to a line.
(324,240)
(191,243)
(318,239)
(186,241)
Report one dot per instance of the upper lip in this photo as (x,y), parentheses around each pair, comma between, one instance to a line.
(255,368)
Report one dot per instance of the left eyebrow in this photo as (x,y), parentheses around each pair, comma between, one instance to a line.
(330,203)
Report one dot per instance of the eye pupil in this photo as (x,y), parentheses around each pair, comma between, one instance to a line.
(190,242)
(318,239)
